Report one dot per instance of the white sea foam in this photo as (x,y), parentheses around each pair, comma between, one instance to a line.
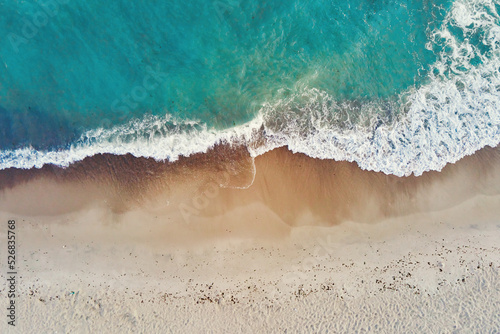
(161,138)
(456,113)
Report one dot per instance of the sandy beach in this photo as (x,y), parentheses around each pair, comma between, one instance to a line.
(252,167)
(222,243)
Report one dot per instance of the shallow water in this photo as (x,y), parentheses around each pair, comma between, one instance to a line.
(398,86)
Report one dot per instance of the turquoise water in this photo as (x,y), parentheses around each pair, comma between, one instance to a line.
(216,62)
(70,67)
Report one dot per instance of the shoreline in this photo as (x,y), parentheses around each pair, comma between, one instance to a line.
(295,187)
(311,244)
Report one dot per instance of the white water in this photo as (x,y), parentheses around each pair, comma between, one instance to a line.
(455,114)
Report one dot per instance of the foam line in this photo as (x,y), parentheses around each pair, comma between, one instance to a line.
(454,114)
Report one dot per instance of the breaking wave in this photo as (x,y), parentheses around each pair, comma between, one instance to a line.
(454,113)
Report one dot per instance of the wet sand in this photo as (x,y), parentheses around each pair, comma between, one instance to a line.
(221,241)
(299,190)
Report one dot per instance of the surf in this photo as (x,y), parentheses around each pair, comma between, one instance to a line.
(452,113)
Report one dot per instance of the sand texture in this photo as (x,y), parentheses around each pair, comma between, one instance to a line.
(221,243)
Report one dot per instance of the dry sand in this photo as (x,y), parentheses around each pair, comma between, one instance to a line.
(220,243)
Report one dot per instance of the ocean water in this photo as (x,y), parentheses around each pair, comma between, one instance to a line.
(399,86)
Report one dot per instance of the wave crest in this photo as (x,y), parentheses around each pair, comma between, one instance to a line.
(454,114)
